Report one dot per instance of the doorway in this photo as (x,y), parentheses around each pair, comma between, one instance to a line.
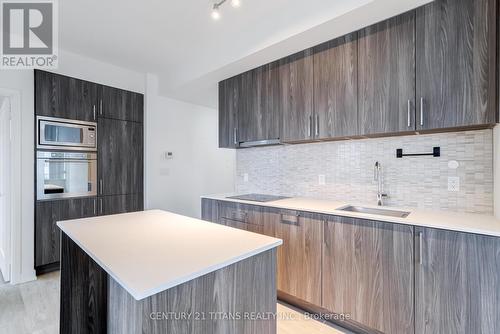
(5,191)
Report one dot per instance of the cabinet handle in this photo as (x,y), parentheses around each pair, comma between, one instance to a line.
(100,206)
(325,233)
(422,111)
(409,113)
(309,127)
(290,219)
(95,206)
(100,107)
(93,111)
(100,186)
(317,126)
(235,136)
(420,248)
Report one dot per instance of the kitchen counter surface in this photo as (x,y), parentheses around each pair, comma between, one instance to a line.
(461,222)
(152,251)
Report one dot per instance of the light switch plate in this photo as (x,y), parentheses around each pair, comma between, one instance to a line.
(245,177)
(453,183)
(321,180)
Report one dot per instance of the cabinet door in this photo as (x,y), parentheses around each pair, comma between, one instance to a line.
(293,96)
(335,88)
(386,98)
(64,97)
(457,283)
(456,70)
(228,113)
(111,205)
(368,273)
(120,163)
(209,210)
(299,258)
(257,120)
(121,104)
(47,234)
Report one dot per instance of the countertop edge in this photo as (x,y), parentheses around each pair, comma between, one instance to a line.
(384,219)
(140,296)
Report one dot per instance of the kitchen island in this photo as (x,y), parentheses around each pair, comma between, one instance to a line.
(158,272)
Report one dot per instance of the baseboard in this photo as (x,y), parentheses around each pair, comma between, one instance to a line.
(325,314)
(48,268)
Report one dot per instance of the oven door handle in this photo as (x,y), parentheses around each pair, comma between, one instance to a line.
(69,160)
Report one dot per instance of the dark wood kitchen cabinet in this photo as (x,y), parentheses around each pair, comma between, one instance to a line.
(457,282)
(209,210)
(121,104)
(299,258)
(228,112)
(120,158)
(293,96)
(368,273)
(112,205)
(47,234)
(244,217)
(386,76)
(257,119)
(65,97)
(336,88)
(456,63)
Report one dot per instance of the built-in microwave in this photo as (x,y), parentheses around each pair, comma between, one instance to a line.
(65,134)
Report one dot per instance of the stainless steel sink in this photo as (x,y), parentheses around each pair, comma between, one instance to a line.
(373,211)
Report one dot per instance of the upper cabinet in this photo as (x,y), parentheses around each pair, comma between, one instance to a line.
(293,96)
(456,69)
(386,80)
(228,113)
(431,69)
(257,119)
(336,88)
(121,104)
(64,97)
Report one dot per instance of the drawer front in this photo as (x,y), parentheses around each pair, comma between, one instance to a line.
(243,213)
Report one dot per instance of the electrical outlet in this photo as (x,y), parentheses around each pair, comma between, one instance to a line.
(321,180)
(453,183)
(245,177)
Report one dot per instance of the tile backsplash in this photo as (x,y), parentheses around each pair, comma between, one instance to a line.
(348,167)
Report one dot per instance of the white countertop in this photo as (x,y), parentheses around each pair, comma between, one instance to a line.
(461,222)
(149,252)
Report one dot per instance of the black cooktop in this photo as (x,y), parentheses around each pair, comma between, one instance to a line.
(257,197)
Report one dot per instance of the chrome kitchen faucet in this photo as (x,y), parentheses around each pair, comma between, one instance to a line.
(377,176)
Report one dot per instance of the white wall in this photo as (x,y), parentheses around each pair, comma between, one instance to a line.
(22,82)
(198,166)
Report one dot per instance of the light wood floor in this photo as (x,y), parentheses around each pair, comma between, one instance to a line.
(33,308)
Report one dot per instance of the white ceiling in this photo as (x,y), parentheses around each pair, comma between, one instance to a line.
(179,41)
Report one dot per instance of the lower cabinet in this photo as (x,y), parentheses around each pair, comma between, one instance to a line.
(299,258)
(383,277)
(48,213)
(457,282)
(209,210)
(111,205)
(368,273)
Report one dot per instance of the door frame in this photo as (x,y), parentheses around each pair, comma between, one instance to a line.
(14,97)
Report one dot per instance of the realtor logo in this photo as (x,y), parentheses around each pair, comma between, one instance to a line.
(29,34)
